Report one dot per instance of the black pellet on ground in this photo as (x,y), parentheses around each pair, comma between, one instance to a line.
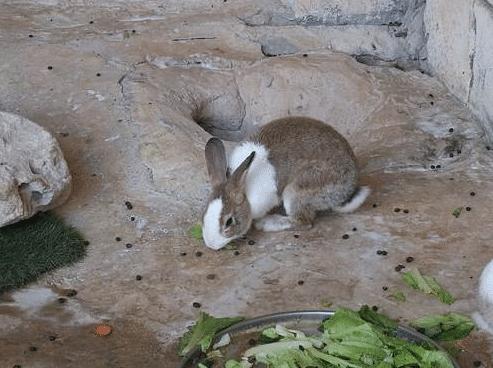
(345,236)
(477,363)
(472,194)
(397,210)
(301,282)
(399,268)
(98,74)
(451,130)
(431,95)
(33,348)
(198,254)
(31,36)
(405,211)
(71,293)
(382,252)
(132,218)
(432,167)
(488,148)
(62,300)
(459,152)
(451,155)
(355,229)
(129,205)
(305,55)
(439,166)
(251,242)
(432,103)
(409,259)
(138,277)
(50,67)
(468,209)
(374,205)
(86,242)
(196,305)
(374,308)
(183,254)
(236,253)
(211,276)
(385,288)
(133,31)
(118,239)
(296,236)
(17,366)
(52,338)
(91,22)
(128,245)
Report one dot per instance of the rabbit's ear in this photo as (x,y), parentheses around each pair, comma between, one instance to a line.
(215,157)
(239,175)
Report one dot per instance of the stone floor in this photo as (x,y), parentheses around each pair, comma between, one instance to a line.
(128,95)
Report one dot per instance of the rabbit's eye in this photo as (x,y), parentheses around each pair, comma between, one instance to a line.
(231,221)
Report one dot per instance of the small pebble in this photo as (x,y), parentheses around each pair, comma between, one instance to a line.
(301,282)
(468,209)
(33,348)
(251,242)
(345,236)
(128,245)
(409,259)
(62,300)
(198,254)
(472,194)
(374,308)
(451,130)
(50,67)
(236,253)
(397,210)
(196,305)
(138,277)
(129,205)
(183,254)
(385,288)
(118,238)
(211,276)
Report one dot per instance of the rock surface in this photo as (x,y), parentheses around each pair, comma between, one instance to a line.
(33,173)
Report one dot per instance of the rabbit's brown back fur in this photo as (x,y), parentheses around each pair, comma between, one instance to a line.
(310,155)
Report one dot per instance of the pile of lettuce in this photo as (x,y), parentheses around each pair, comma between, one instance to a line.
(349,340)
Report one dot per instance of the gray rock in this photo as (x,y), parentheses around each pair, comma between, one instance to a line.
(277,46)
(33,173)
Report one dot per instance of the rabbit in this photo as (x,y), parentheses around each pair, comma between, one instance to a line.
(484,319)
(299,162)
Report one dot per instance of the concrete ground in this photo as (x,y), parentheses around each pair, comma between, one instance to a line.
(128,94)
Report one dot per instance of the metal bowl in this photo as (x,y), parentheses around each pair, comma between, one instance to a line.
(307,321)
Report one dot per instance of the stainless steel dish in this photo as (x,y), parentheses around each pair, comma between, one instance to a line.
(307,321)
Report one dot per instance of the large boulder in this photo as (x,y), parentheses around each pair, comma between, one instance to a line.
(33,173)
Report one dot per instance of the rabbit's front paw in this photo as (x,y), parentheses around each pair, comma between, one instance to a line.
(273,223)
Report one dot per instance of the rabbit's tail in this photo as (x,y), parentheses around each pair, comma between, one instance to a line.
(355,202)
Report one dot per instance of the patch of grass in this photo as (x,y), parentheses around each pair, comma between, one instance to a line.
(35,246)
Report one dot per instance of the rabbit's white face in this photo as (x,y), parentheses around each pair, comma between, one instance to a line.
(212,229)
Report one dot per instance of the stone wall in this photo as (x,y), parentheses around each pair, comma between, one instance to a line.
(460,52)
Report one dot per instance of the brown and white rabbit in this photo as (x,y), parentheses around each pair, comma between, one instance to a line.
(300,162)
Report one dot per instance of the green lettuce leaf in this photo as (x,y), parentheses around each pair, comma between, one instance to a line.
(444,327)
(202,332)
(377,319)
(427,285)
(196,232)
